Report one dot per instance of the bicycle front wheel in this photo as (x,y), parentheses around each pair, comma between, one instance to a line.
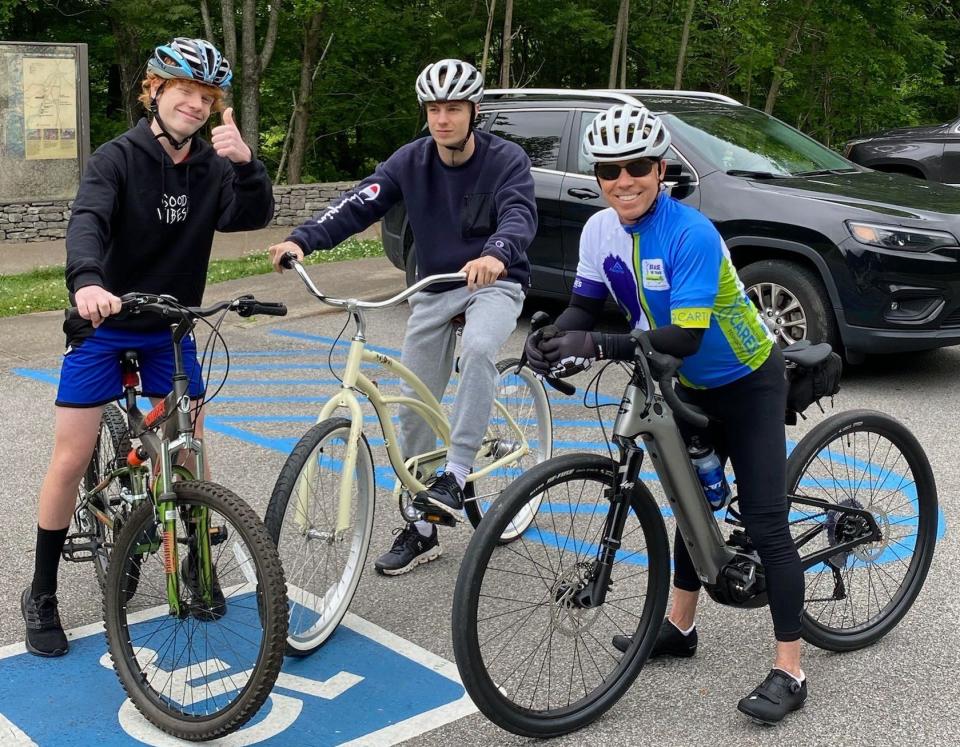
(113,444)
(323,562)
(534,660)
(201,669)
(524,401)
(865,460)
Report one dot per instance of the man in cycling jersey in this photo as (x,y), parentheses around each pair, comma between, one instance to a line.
(143,220)
(470,200)
(669,271)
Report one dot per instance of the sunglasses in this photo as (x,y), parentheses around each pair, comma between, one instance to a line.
(610,172)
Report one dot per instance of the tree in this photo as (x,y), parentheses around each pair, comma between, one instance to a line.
(785,52)
(491,10)
(507,44)
(619,41)
(309,66)
(684,38)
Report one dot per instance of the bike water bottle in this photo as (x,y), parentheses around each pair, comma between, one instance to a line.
(710,472)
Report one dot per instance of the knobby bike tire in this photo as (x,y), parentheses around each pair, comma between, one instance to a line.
(486,553)
(860,458)
(315,616)
(270,605)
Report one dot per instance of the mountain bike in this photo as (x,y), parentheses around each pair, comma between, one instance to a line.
(193,590)
(534,621)
(321,511)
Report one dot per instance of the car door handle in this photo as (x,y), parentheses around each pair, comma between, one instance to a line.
(583,194)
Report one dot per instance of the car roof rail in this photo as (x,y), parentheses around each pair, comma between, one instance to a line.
(623,95)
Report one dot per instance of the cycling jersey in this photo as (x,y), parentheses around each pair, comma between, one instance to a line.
(687,279)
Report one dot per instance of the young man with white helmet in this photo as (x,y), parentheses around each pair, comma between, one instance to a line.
(143,220)
(470,201)
(668,269)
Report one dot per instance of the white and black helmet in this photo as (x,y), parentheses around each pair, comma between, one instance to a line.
(449,80)
(624,132)
(191,59)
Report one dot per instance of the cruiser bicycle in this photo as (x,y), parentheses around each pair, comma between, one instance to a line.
(321,511)
(193,590)
(534,620)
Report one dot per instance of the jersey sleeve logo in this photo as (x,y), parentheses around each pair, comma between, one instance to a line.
(370,193)
(653,275)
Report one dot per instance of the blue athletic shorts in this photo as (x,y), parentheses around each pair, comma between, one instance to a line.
(90,375)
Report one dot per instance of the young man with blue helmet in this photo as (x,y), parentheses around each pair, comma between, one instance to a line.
(143,220)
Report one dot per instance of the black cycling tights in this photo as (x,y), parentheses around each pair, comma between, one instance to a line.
(749,430)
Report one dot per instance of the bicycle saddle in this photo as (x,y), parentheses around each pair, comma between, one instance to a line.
(807,355)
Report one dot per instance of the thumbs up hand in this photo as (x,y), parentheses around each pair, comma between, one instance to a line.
(227,141)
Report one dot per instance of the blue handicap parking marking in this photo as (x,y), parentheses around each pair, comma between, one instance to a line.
(349,690)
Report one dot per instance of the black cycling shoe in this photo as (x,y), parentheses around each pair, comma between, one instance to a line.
(774,698)
(670,642)
(45,636)
(443,493)
(409,550)
(200,609)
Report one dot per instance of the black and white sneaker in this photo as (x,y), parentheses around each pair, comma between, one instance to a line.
(45,636)
(409,550)
(671,641)
(774,698)
(444,494)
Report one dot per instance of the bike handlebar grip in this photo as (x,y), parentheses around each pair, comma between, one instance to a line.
(72,313)
(539,320)
(270,309)
(561,386)
(287,260)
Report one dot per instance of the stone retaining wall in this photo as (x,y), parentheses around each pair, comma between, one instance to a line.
(46,221)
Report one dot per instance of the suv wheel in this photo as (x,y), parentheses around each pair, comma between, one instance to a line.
(792,301)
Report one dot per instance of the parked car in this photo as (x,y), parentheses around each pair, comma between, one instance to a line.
(827,249)
(931,153)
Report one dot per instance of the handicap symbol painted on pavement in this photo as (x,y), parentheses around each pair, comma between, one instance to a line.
(365,686)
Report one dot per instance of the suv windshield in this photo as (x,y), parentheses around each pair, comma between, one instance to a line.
(746,141)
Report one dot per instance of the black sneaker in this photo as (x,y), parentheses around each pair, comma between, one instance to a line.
(774,698)
(670,642)
(45,636)
(409,550)
(199,608)
(444,493)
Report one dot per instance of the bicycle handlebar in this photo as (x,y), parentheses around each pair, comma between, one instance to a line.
(289,261)
(167,306)
(662,368)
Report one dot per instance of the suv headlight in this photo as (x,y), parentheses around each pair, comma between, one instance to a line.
(899,237)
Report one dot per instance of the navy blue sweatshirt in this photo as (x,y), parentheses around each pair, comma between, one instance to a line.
(141,223)
(484,207)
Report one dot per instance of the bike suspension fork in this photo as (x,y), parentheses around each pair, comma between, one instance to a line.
(594,593)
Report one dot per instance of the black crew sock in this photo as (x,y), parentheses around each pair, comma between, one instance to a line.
(47,561)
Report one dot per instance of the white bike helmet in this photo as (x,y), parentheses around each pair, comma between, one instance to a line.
(191,59)
(625,132)
(449,80)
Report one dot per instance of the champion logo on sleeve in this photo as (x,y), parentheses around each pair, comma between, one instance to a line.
(370,193)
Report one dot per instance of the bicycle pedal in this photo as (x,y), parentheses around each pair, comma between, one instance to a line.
(432,514)
(80,548)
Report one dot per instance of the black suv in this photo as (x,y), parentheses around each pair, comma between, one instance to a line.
(828,250)
(926,152)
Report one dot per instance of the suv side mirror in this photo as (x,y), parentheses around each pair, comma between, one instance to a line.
(678,179)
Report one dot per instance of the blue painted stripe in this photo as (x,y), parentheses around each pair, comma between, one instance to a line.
(327,341)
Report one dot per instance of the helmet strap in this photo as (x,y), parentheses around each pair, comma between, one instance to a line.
(463,143)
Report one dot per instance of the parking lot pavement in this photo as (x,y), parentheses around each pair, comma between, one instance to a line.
(896,692)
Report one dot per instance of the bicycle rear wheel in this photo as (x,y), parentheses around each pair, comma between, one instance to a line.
(533,661)
(202,673)
(866,460)
(525,401)
(113,445)
(323,565)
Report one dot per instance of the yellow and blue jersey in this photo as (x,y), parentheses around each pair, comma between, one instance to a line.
(672,267)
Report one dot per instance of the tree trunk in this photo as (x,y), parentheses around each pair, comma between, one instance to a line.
(617,42)
(784,55)
(229,21)
(623,43)
(252,66)
(308,73)
(507,43)
(207,23)
(491,10)
(684,39)
(130,65)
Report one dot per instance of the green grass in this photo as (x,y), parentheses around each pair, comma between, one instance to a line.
(43,289)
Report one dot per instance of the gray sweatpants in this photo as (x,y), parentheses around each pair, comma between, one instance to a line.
(428,350)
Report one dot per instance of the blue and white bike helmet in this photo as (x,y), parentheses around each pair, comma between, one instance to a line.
(191,59)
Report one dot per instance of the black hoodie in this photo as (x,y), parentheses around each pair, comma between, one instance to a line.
(142,223)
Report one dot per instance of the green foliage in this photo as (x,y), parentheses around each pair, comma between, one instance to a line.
(856,65)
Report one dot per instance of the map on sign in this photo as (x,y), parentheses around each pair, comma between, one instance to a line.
(49,108)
